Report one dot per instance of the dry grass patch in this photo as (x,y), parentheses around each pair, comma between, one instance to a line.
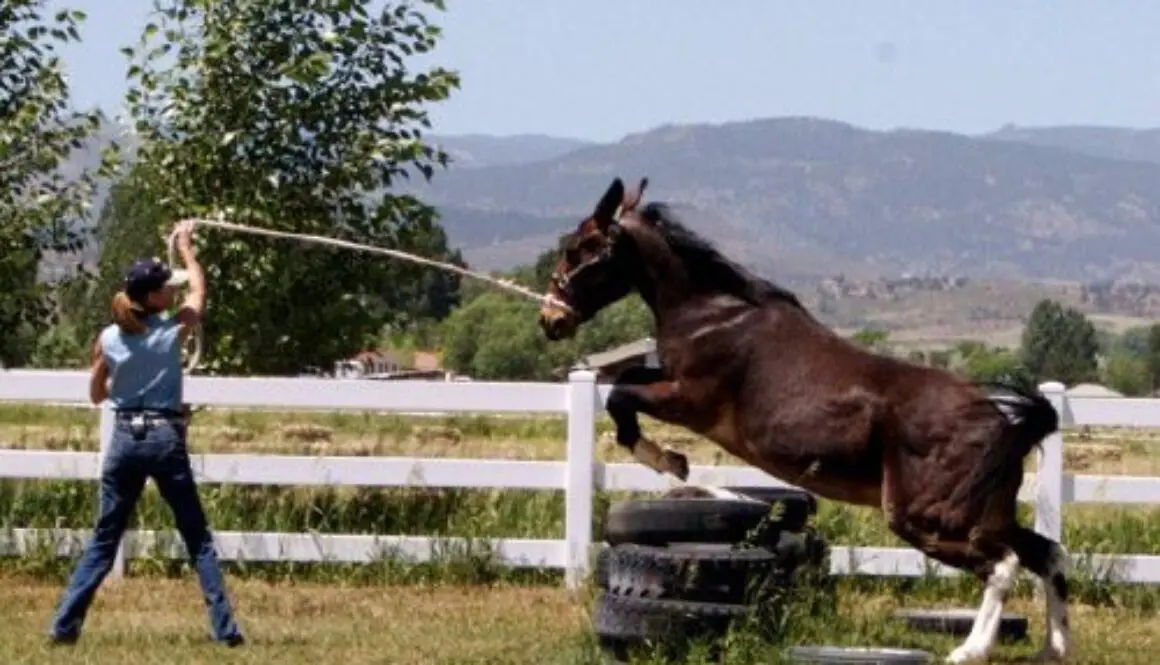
(152,621)
(1102,450)
(1100,635)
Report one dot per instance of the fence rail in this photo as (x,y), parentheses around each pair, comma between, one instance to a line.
(579,475)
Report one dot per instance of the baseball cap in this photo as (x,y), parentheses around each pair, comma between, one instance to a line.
(150,274)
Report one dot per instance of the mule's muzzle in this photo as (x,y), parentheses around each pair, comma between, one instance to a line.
(557,323)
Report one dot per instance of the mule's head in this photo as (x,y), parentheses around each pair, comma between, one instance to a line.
(593,270)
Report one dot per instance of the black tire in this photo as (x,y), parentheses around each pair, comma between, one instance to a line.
(958,622)
(664,521)
(710,573)
(799,505)
(622,623)
(600,568)
(844,655)
(803,548)
(722,576)
(811,554)
(804,573)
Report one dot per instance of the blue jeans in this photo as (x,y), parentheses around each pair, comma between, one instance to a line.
(160,454)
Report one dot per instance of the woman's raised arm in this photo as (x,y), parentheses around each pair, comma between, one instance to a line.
(193,309)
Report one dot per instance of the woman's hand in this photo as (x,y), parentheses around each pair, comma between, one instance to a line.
(183,232)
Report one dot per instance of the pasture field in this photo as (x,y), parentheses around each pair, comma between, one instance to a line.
(151,621)
(992,311)
(1104,450)
(465,608)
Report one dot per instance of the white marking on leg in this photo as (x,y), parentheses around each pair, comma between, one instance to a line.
(1056,644)
(983,632)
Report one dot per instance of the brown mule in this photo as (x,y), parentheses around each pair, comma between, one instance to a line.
(746,365)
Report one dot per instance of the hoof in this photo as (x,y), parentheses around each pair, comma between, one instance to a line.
(1049,655)
(676,464)
(966,654)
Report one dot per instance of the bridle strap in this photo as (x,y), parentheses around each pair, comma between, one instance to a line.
(562,281)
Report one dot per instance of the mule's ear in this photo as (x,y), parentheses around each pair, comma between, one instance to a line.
(633,198)
(605,213)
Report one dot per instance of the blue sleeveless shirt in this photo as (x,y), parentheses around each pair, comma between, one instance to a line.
(145,370)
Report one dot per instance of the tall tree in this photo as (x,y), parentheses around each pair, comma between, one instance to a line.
(127,226)
(298,116)
(494,336)
(40,205)
(1152,354)
(1060,344)
(981,363)
(1134,341)
(1127,374)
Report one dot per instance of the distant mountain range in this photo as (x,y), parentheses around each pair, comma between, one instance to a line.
(1109,142)
(805,197)
(476,150)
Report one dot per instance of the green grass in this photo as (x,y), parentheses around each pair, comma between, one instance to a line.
(147,620)
(485,613)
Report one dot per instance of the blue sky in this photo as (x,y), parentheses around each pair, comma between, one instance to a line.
(598,69)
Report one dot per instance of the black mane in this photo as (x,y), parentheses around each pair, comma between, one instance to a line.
(708,263)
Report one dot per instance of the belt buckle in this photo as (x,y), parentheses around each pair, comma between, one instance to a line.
(137,424)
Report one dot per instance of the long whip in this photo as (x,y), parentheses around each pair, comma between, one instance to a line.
(504,284)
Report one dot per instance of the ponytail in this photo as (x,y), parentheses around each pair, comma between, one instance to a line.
(126,314)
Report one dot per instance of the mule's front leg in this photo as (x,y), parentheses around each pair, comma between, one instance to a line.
(646,390)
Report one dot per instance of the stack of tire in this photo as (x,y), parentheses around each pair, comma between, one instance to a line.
(682,569)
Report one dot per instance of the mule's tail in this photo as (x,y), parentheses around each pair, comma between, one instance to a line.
(1029,418)
(1030,414)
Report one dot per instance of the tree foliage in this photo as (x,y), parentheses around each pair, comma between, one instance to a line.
(127,226)
(875,339)
(1151,353)
(495,337)
(1127,373)
(39,204)
(1132,361)
(983,363)
(297,116)
(1060,344)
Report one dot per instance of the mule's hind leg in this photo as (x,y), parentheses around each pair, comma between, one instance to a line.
(995,565)
(990,560)
(997,584)
(1048,560)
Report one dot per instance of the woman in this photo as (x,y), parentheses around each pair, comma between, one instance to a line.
(136,365)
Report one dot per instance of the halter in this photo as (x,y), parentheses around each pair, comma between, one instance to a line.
(605,254)
(562,281)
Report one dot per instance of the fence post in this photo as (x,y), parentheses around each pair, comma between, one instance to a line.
(106,435)
(1049,477)
(578,492)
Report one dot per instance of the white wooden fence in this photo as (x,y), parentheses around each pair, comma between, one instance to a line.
(579,476)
